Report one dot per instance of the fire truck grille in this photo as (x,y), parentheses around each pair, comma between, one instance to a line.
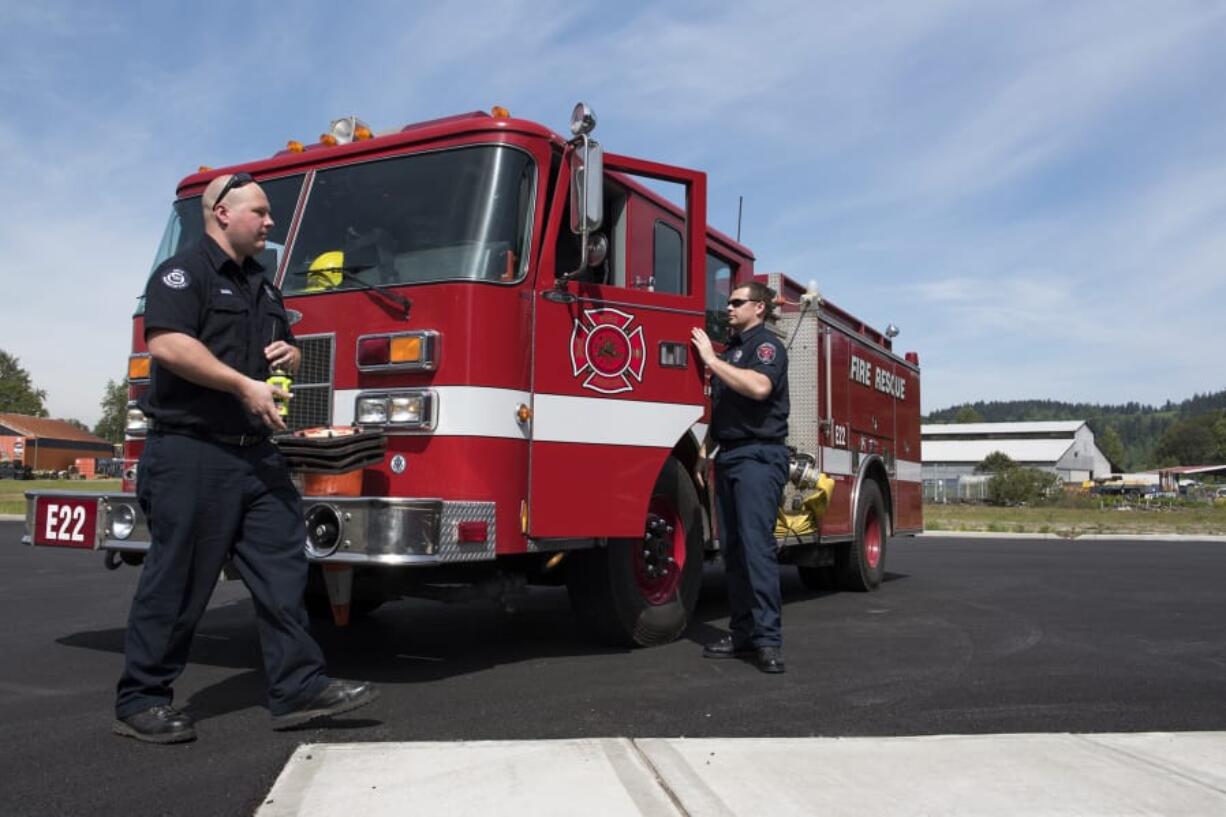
(312,403)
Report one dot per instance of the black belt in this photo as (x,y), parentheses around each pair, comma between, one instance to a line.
(728,445)
(240,440)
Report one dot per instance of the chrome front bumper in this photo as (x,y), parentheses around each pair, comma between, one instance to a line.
(373,530)
(382,531)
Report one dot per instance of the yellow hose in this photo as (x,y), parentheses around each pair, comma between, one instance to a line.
(806,522)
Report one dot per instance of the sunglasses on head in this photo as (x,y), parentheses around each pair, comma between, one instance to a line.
(737,303)
(236,181)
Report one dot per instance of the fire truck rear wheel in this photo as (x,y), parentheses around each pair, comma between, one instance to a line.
(861,565)
(641,592)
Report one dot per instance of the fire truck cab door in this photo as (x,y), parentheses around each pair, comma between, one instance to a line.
(616,383)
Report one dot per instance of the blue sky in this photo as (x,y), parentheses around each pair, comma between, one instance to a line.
(1035,192)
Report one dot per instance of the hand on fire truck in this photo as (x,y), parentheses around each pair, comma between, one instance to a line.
(703,344)
(745,382)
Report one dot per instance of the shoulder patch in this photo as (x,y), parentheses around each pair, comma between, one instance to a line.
(175,278)
(766,352)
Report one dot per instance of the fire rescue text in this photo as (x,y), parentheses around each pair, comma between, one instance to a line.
(883,380)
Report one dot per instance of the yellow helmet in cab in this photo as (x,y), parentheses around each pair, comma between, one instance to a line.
(325,271)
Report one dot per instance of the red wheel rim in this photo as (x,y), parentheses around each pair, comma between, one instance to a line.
(872,538)
(660,558)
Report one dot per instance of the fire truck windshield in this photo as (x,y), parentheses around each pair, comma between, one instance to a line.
(450,215)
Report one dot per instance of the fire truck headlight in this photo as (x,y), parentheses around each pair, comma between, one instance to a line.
(372,410)
(405,409)
(136,422)
(123,520)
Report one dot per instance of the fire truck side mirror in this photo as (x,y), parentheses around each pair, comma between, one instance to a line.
(587,187)
(597,249)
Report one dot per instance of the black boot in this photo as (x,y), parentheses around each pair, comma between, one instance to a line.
(770,659)
(158,724)
(335,698)
(727,647)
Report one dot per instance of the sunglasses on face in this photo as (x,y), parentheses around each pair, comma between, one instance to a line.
(737,303)
(236,181)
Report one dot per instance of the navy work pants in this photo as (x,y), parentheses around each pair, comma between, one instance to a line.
(749,482)
(207,502)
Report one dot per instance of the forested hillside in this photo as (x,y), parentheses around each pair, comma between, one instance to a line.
(1133,435)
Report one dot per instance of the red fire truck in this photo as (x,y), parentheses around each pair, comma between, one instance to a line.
(512,309)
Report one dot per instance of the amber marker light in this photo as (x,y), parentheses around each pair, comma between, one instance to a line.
(327,139)
(361,132)
(203,169)
(294,146)
(523,515)
(499,112)
(139,366)
(523,414)
(406,349)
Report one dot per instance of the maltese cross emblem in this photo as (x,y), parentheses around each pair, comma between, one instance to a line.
(603,345)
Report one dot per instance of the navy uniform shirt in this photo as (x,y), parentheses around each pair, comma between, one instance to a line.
(735,417)
(232,310)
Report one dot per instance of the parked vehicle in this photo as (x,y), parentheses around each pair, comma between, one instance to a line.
(12,469)
(513,310)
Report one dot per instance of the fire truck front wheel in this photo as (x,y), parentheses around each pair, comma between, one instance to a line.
(641,592)
(861,565)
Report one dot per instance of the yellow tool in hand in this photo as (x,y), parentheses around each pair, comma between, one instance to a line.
(280,379)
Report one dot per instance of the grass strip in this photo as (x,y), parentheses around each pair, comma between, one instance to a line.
(13,491)
(1070,522)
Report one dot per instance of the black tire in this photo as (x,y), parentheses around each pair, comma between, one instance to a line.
(611,588)
(861,565)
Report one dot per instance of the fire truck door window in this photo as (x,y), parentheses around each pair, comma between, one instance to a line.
(452,215)
(668,271)
(613,269)
(719,287)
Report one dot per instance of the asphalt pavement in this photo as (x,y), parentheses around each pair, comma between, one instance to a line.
(968,637)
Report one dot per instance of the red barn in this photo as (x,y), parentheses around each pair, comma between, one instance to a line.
(47,445)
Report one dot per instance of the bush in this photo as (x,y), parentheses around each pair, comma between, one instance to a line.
(1017,486)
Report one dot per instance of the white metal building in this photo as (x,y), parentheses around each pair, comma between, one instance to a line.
(1066,447)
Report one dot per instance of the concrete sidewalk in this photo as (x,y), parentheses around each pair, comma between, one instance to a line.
(1053,774)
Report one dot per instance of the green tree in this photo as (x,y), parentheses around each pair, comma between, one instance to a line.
(1219,433)
(995,463)
(114,412)
(1112,446)
(967,414)
(1191,442)
(17,392)
(1014,486)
